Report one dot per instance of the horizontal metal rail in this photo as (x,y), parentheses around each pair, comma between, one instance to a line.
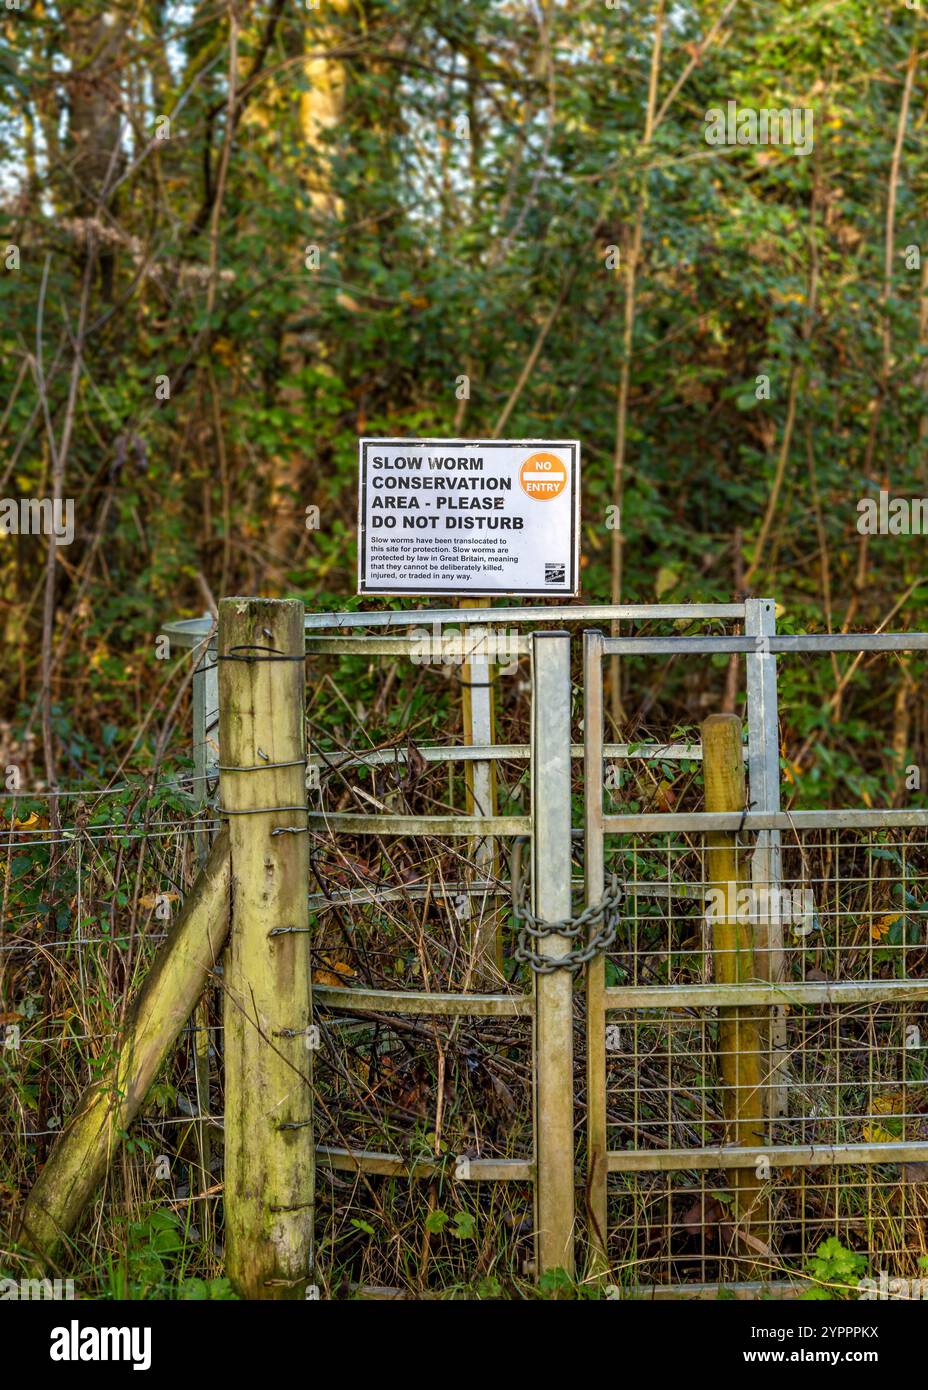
(778,1156)
(397,1001)
(434,888)
(451,648)
(420,825)
(773,646)
(188,632)
(748,1291)
(799,994)
(703,821)
(390,757)
(395,1166)
(673,752)
(565,612)
(387,757)
(437,890)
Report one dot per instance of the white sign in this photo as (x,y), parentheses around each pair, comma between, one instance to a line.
(469,516)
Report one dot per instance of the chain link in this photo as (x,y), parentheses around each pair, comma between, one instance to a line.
(607,911)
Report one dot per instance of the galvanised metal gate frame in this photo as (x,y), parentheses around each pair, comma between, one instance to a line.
(550,1004)
(772,992)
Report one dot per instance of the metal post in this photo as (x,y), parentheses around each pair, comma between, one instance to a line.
(764,795)
(597,1172)
(551,818)
(480,780)
(205,731)
(205,761)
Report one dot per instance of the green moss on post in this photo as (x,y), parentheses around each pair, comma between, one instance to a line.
(267,1006)
(741,1070)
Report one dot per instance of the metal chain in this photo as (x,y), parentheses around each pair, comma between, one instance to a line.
(607,911)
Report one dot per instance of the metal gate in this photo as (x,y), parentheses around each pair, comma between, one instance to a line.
(836,1001)
(651,1010)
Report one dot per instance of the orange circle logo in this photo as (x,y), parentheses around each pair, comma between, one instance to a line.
(543,476)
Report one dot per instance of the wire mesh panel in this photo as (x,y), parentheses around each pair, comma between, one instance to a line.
(674,1231)
(848,1153)
(748,1114)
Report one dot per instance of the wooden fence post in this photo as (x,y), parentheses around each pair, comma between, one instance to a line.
(267,1004)
(740,1050)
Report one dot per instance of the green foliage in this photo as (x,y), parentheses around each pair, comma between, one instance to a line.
(461,1224)
(152,1265)
(836,1271)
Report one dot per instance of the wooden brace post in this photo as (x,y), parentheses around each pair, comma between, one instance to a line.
(107,1108)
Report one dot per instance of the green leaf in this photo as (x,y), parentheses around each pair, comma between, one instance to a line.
(667,579)
(464,1225)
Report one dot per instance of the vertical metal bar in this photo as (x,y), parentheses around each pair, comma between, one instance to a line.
(551,823)
(205,731)
(764,795)
(594,869)
(205,759)
(480,779)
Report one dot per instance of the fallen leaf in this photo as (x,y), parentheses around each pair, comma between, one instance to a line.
(339,972)
(876,1134)
(882,927)
(151,900)
(701,1214)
